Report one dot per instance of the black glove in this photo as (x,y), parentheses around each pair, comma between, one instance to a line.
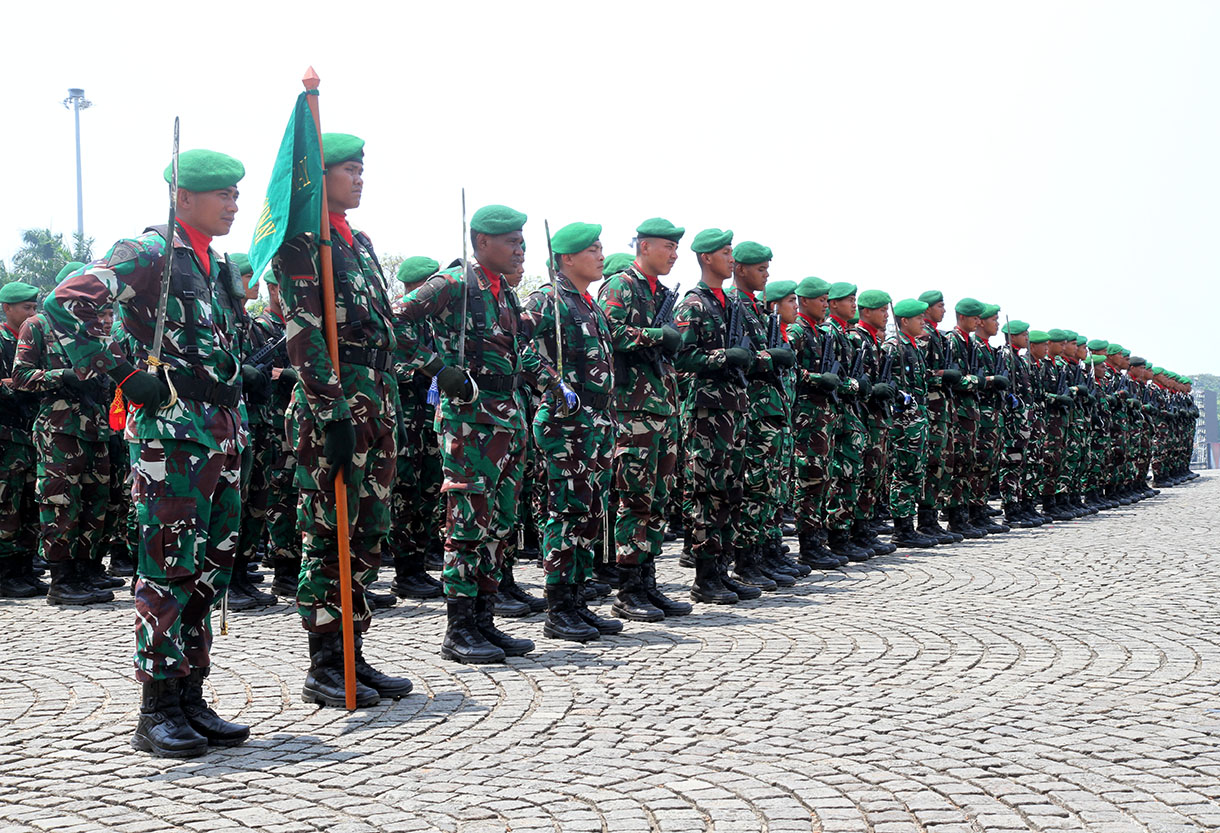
(829,382)
(1064,400)
(289,374)
(456,383)
(739,358)
(142,388)
(339,448)
(999,382)
(883,391)
(254,383)
(950,376)
(866,387)
(74,383)
(296,256)
(781,356)
(671,340)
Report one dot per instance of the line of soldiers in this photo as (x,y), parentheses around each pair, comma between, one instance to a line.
(461,413)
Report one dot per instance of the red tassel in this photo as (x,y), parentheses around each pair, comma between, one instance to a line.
(118,411)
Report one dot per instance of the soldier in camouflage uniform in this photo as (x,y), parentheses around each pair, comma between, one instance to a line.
(909,429)
(417,487)
(646,404)
(576,447)
(186,455)
(872,307)
(73,469)
(1035,468)
(760,560)
(346,423)
(1018,430)
(1059,403)
(992,401)
(942,380)
(963,354)
(482,424)
(780,301)
(18,510)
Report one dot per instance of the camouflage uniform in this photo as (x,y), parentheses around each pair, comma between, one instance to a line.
(361,389)
(965,405)
(874,414)
(909,429)
(645,401)
(18,511)
(1058,416)
(848,443)
(576,449)
(1018,430)
(185,458)
(483,443)
(988,440)
(814,426)
(937,483)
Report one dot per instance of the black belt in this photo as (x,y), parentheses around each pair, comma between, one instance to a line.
(205,390)
(498,382)
(594,400)
(367,356)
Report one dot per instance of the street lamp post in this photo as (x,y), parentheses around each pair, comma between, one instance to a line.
(77,101)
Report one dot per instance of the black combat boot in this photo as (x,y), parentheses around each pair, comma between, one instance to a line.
(324,680)
(862,537)
(411,580)
(434,558)
(724,562)
(562,620)
(510,589)
(31,570)
(980,518)
(687,559)
(841,545)
(463,641)
(929,527)
(746,571)
(878,546)
(68,588)
(603,624)
(12,580)
(774,560)
(814,555)
(633,602)
(960,523)
(379,601)
(604,570)
(668,606)
(1014,518)
(531,549)
(121,562)
(906,536)
(243,595)
(287,575)
(594,589)
(708,587)
(386,686)
(163,729)
(1030,513)
(203,719)
(484,608)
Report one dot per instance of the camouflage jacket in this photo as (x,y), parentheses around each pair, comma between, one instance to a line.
(588,350)
(809,340)
(200,343)
(963,352)
(642,373)
(704,324)
(272,409)
(863,338)
(768,398)
(936,356)
(845,355)
(988,364)
(415,341)
(41,368)
(498,354)
(364,323)
(908,367)
(1020,375)
(17,407)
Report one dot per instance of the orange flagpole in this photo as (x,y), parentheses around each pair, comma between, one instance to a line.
(331,332)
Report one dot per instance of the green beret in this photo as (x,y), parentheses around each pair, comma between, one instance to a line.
(1015,327)
(618,262)
(749,253)
(1113,349)
(660,227)
(1097,344)
(575,237)
(242,261)
(1057,335)
(1184,380)
(496,219)
(812,288)
(1039,337)
(416,269)
(1081,341)
(990,311)
(1138,361)
(1126,351)
(1069,335)
(206,170)
(338,148)
(841,289)
(68,269)
(932,296)
(16,292)
(909,308)
(969,306)
(710,240)
(1094,358)
(873,299)
(775,290)
(1156,370)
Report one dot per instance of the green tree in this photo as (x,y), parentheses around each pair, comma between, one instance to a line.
(41,256)
(82,247)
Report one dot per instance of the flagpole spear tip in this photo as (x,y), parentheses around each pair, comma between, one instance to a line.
(311,79)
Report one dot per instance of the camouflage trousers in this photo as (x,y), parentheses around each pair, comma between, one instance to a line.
(188,501)
(908,454)
(986,452)
(416,499)
(578,454)
(675,484)
(18,507)
(256,492)
(813,427)
(1056,439)
(876,452)
(73,490)
(482,466)
(122,529)
(1076,441)
(368,510)
(530,490)
(846,474)
(1012,463)
(938,467)
(283,535)
(783,493)
(762,483)
(1033,468)
(965,415)
(644,458)
(715,461)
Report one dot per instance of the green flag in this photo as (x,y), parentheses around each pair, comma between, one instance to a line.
(294,195)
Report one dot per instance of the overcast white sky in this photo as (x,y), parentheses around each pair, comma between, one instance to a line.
(1058,158)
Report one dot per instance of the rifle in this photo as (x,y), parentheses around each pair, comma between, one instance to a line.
(261,358)
(664,316)
(154,356)
(738,337)
(775,337)
(1015,402)
(570,397)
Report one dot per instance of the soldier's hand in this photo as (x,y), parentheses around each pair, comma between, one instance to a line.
(738,358)
(998,382)
(883,391)
(671,340)
(339,448)
(142,389)
(564,400)
(73,382)
(289,373)
(829,382)
(1064,400)
(456,383)
(254,382)
(781,356)
(865,386)
(296,256)
(950,376)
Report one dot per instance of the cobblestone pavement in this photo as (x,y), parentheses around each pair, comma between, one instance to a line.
(1055,681)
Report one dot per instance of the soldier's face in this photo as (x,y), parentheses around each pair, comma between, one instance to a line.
(585,266)
(911,327)
(211,212)
(503,253)
(1055,348)
(513,279)
(844,308)
(936,312)
(719,264)
(344,186)
(875,318)
(752,276)
(273,298)
(989,326)
(1038,351)
(1020,341)
(968,323)
(657,256)
(16,314)
(785,308)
